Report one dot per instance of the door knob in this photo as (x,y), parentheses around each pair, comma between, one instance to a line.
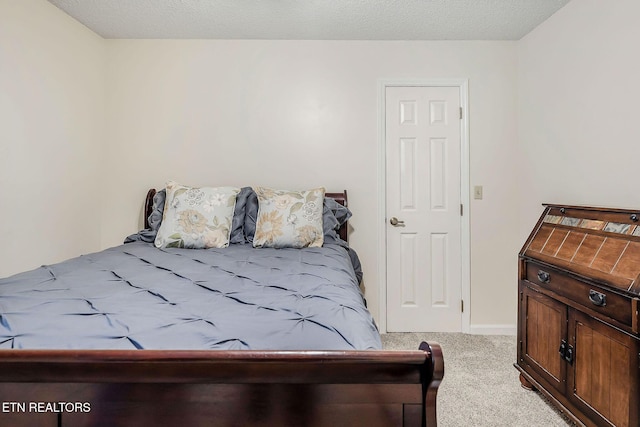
(396,222)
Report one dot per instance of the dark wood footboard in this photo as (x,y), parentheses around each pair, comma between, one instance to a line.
(221,388)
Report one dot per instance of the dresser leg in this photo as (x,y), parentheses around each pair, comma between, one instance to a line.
(526,384)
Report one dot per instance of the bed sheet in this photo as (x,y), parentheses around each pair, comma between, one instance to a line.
(136,296)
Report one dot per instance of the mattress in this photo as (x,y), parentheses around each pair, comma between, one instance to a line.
(136,296)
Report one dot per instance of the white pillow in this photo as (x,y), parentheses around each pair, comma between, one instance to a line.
(196,218)
(289,219)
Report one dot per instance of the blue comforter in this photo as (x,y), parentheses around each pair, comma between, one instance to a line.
(136,296)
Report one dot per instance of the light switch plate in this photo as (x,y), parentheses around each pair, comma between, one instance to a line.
(477,192)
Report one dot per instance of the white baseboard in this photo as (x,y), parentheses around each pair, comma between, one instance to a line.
(493,329)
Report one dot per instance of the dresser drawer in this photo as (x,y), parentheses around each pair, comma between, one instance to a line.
(610,304)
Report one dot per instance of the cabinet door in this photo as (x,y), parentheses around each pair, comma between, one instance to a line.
(543,326)
(604,375)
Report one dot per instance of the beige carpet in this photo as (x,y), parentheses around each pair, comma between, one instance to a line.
(481,386)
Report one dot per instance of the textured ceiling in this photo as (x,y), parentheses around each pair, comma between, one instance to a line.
(312,19)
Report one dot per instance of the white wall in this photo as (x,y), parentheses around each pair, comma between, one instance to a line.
(296,114)
(51,117)
(578,108)
(81,114)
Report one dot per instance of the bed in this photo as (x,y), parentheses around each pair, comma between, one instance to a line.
(233,336)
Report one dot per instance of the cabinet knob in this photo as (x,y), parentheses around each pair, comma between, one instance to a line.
(634,217)
(569,355)
(563,348)
(543,276)
(597,298)
(566,351)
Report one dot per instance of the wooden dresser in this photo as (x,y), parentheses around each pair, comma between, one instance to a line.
(578,319)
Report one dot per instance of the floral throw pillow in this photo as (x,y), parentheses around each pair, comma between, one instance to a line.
(289,219)
(196,218)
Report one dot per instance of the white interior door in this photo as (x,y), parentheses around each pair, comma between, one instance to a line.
(422,143)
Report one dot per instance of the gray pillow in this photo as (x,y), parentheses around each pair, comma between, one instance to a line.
(334,216)
(237,225)
(155,217)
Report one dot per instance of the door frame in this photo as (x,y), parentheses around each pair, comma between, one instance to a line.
(463,85)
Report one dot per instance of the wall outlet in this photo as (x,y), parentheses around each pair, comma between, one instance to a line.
(477,192)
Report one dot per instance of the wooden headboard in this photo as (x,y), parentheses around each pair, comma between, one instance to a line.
(148,206)
(339,197)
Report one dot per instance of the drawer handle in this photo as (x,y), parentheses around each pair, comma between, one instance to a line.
(543,276)
(597,298)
